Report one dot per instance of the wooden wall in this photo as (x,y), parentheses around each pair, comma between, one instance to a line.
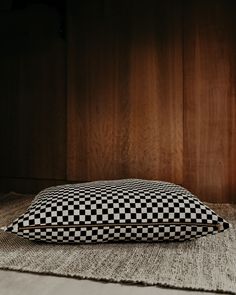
(137,89)
(210,99)
(125,90)
(33,101)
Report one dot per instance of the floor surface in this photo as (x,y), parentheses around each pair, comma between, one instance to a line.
(18,283)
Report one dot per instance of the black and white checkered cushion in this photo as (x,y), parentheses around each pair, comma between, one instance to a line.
(120,210)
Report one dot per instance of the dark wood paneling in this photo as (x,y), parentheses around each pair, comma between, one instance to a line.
(27,185)
(210,99)
(32,82)
(125,90)
(132,109)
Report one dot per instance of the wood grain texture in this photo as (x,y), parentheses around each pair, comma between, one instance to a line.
(124,90)
(150,94)
(32,82)
(210,99)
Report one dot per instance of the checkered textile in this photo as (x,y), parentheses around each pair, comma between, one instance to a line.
(120,210)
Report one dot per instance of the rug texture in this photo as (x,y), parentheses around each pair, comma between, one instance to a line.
(207,263)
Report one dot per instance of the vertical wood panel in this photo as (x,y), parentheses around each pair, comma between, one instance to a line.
(210,99)
(124,90)
(32,104)
(128,113)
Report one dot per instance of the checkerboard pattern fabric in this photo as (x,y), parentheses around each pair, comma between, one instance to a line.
(119,210)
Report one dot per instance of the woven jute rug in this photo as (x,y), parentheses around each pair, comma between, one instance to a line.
(207,263)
